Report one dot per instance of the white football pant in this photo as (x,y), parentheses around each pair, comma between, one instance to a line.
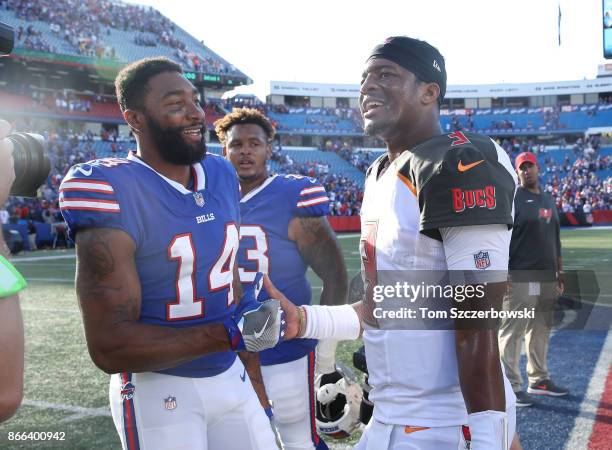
(153,411)
(290,387)
(379,436)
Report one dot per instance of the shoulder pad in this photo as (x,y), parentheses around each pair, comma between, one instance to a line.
(461,179)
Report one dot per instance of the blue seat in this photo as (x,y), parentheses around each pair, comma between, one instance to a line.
(44,234)
(22,229)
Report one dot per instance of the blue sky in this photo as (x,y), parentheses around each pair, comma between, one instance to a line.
(483,41)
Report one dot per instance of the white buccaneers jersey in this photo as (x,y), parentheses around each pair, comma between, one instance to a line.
(414,373)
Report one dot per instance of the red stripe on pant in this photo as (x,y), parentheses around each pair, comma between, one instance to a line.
(311,375)
(129,414)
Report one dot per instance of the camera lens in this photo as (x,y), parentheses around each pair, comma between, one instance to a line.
(32,166)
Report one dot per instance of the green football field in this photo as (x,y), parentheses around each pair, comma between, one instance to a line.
(66,393)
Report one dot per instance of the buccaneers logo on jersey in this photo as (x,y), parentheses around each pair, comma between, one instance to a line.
(473,198)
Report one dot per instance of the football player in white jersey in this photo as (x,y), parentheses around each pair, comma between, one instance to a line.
(433,202)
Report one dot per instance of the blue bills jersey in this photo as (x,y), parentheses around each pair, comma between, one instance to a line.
(186,240)
(265,246)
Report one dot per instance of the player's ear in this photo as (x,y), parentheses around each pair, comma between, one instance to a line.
(269,150)
(134,119)
(431,92)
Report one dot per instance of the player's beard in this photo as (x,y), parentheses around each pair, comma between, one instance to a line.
(380,129)
(374,129)
(173,146)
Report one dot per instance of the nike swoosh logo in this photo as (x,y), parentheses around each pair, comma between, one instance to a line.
(464,168)
(84,171)
(243,376)
(408,429)
(258,334)
(529,201)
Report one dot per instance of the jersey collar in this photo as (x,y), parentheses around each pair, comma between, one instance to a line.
(257,190)
(198,172)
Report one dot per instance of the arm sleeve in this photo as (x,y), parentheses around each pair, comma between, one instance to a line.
(309,199)
(89,200)
(480,252)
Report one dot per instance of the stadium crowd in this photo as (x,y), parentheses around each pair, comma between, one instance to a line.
(576,187)
(345,195)
(66,148)
(573,182)
(84,25)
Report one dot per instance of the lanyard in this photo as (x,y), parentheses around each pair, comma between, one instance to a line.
(11,280)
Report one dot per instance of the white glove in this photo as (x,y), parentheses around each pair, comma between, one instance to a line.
(270,413)
(488,430)
(325,360)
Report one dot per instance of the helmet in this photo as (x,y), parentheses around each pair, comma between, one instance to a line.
(338,397)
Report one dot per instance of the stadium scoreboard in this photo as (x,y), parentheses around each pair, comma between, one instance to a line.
(607,28)
(212,80)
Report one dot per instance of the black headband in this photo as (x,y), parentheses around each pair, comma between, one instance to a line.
(420,58)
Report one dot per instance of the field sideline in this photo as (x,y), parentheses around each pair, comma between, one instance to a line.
(65,392)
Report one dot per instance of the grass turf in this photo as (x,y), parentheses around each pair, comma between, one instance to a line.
(60,378)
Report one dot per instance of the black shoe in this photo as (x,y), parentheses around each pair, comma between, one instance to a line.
(523,399)
(547,387)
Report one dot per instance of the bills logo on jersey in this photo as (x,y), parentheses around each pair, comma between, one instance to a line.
(127,391)
(482,260)
(199,199)
(470,198)
(545,214)
(170,403)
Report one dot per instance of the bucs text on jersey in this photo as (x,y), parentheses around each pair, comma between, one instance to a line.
(265,245)
(451,180)
(186,240)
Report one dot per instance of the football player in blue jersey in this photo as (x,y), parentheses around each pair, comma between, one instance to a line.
(157,234)
(283,231)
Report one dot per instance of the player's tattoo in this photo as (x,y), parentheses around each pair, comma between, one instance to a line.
(311,225)
(127,312)
(98,259)
(253,368)
(95,264)
(319,249)
(316,244)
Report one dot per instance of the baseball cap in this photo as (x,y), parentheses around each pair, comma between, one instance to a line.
(525,157)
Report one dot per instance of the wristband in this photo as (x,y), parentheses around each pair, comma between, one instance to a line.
(234,335)
(269,412)
(489,430)
(11,280)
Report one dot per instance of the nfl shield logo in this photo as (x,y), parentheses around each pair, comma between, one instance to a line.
(481,260)
(170,403)
(199,199)
(127,391)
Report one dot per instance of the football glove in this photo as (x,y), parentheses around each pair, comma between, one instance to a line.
(270,414)
(255,325)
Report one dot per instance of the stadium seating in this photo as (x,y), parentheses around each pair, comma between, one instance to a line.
(336,164)
(315,124)
(524,121)
(125,48)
